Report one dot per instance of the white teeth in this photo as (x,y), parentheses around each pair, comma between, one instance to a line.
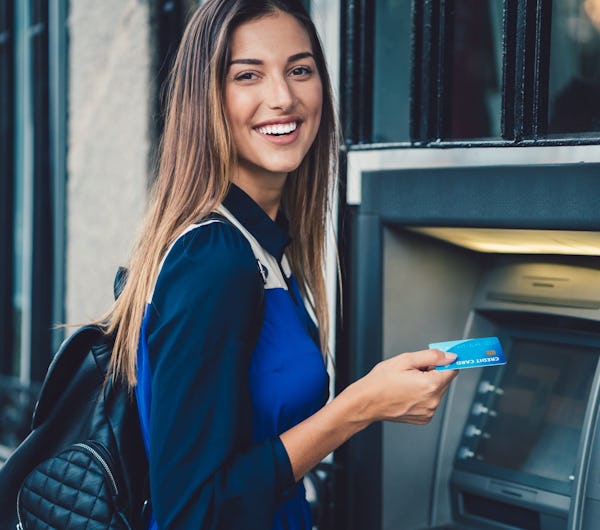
(279,128)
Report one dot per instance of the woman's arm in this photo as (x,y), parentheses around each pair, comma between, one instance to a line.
(401,389)
(205,471)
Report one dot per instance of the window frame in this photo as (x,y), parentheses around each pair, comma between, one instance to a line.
(525,69)
(6,182)
(34,93)
(42,265)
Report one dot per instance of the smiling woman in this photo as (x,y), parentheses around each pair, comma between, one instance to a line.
(224,355)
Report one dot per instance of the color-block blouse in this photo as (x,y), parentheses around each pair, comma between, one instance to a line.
(227,361)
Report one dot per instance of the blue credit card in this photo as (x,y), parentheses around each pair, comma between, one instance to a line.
(472,353)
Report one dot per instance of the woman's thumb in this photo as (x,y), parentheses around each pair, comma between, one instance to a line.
(424,359)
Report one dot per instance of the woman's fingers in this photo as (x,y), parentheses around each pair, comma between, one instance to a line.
(405,388)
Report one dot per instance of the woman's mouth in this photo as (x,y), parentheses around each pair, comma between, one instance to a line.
(280,134)
(278,129)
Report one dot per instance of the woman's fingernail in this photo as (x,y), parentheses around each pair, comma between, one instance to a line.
(450,355)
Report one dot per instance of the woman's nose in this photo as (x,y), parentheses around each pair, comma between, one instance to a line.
(280,94)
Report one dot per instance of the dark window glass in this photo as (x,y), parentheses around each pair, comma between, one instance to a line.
(391,82)
(475,69)
(25,220)
(574,91)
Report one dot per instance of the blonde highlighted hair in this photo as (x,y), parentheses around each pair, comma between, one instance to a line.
(195,160)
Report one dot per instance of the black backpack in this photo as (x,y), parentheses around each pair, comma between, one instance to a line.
(83,465)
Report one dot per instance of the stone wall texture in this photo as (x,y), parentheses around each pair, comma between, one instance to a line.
(108,146)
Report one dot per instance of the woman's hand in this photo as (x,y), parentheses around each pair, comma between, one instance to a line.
(404,388)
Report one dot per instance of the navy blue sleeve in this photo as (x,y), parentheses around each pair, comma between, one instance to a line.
(205,472)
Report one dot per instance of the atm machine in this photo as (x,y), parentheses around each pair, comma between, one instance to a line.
(524,436)
(446,253)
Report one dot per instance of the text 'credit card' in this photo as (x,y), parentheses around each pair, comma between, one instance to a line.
(472,353)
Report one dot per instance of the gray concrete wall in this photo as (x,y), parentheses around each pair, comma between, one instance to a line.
(108,146)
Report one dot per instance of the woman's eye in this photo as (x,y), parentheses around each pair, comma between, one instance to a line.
(301,71)
(245,76)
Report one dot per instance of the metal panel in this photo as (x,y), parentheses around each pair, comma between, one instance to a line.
(362,161)
(427,294)
(591,515)
(547,197)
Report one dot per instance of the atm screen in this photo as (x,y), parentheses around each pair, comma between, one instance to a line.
(539,409)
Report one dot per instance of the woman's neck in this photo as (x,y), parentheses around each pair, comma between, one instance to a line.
(265,190)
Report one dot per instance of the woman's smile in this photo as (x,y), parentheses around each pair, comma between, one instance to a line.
(280,132)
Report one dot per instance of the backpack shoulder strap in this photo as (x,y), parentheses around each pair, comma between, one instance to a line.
(220,216)
(206,221)
(267,264)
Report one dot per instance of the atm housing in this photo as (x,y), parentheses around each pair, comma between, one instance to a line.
(407,289)
(523,454)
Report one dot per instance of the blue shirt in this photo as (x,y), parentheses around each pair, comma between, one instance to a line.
(226,363)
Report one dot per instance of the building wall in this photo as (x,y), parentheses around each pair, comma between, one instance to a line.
(108,146)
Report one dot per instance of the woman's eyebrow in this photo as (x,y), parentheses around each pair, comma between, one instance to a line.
(298,56)
(291,59)
(246,61)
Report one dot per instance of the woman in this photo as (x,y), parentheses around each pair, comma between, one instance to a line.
(228,365)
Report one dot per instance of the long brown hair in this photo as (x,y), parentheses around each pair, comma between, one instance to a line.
(195,160)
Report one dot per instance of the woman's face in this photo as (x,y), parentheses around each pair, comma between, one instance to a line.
(273,96)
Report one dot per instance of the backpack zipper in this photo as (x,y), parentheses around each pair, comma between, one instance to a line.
(103,462)
(20,523)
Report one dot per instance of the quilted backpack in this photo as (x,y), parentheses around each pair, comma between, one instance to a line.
(83,465)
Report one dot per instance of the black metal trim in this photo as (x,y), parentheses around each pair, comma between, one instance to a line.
(462,144)
(526,51)
(359,482)
(357,22)
(342,340)
(444,71)
(428,66)
(6,183)
(431,72)
(519,60)
(42,252)
(417,67)
(543,35)
(509,69)
(526,58)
